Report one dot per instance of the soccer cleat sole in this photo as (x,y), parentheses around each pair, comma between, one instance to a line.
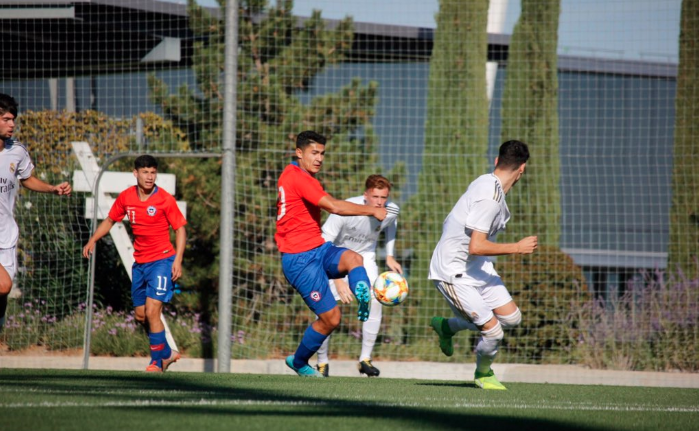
(174,357)
(363,297)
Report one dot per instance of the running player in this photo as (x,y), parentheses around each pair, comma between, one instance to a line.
(463,273)
(360,234)
(151,212)
(308,261)
(15,164)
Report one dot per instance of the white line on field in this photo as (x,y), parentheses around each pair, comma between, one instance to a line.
(203,402)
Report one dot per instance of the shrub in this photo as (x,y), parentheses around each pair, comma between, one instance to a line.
(114,333)
(546,285)
(652,325)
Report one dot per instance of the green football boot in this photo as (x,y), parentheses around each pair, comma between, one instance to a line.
(441,327)
(488,381)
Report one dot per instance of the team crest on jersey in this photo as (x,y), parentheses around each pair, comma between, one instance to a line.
(151,210)
(315,295)
(12,167)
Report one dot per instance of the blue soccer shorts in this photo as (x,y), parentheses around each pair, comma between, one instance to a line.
(152,280)
(309,273)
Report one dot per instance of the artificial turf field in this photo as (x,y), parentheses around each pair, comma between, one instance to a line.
(107,400)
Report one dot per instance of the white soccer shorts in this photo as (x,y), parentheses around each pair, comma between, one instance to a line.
(8,259)
(475,304)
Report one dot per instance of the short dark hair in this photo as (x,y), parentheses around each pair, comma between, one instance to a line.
(308,137)
(145,161)
(8,104)
(377,181)
(512,155)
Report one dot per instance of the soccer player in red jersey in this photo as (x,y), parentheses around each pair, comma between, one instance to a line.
(308,261)
(151,211)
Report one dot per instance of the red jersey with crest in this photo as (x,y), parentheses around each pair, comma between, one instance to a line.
(298,213)
(150,222)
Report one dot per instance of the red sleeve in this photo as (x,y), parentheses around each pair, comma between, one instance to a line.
(311,191)
(118,211)
(173,214)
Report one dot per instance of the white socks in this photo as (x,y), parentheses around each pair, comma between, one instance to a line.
(487,348)
(457,324)
(370,331)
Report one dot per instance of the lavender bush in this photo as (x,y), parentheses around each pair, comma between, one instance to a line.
(27,322)
(114,333)
(652,325)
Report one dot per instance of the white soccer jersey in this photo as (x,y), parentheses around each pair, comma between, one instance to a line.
(482,208)
(360,233)
(15,165)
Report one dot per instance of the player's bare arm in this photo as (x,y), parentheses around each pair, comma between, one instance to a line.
(180,242)
(481,246)
(393,264)
(36,185)
(102,230)
(344,208)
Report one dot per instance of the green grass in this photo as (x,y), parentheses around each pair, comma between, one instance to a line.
(103,400)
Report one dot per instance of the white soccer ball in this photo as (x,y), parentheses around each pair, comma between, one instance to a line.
(390,288)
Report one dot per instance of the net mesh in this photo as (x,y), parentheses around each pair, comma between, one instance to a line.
(421,92)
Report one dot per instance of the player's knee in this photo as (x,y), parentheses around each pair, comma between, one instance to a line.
(5,287)
(493,334)
(334,321)
(139,313)
(511,320)
(490,340)
(354,259)
(140,318)
(330,320)
(153,313)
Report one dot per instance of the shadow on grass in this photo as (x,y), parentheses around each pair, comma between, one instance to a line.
(257,402)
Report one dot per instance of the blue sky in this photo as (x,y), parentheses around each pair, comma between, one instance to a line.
(621,29)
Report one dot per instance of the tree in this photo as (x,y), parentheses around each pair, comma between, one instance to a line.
(456,129)
(530,114)
(684,214)
(278,60)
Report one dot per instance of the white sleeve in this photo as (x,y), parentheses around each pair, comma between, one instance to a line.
(332,227)
(391,237)
(482,215)
(25,168)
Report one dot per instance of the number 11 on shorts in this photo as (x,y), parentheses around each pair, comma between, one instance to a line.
(162,285)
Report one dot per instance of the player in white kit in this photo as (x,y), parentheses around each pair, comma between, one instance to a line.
(15,167)
(360,234)
(462,271)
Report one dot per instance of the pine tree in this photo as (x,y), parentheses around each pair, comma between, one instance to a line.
(684,215)
(530,115)
(277,61)
(456,130)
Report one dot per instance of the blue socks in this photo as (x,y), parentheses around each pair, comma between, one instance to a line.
(312,339)
(159,349)
(356,276)
(310,343)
